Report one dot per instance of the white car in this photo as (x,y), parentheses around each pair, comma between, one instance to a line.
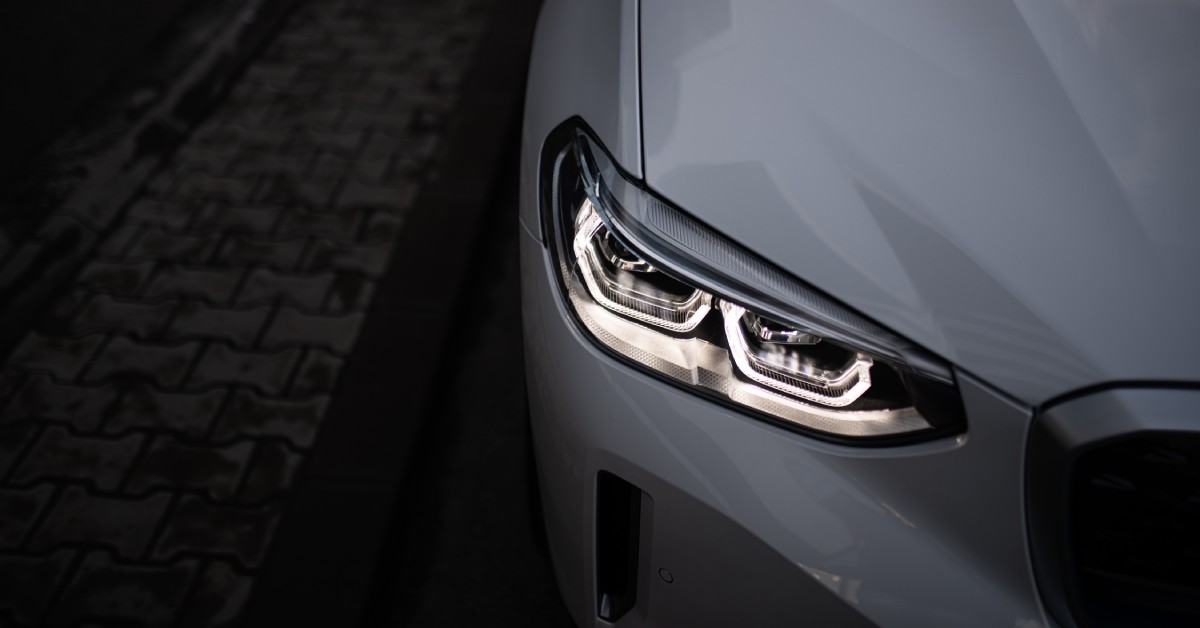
(847,313)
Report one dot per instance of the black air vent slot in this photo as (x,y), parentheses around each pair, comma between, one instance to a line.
(618,518)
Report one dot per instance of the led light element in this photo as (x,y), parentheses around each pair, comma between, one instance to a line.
(787,369)
(769,331)
(626,284)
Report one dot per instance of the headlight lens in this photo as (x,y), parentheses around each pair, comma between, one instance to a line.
(668,294)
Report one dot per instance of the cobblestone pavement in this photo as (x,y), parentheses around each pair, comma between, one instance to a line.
(153,423)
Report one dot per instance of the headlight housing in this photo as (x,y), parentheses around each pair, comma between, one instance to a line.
(666,293)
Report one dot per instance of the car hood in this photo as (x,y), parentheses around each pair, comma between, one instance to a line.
(1012,185)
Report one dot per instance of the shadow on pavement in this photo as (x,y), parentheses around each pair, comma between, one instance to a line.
(470,554)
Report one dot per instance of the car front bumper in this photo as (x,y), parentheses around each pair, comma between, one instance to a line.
(744,523)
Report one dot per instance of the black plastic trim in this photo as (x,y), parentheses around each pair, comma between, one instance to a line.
(618,525)
(1069,428)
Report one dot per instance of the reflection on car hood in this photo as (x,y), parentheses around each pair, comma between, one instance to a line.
(1015,186)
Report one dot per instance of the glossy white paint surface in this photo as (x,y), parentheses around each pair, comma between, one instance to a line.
(583,63)
(925,535)
(1013,185)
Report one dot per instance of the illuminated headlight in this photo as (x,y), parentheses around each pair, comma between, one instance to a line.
(626,284)
(666,293)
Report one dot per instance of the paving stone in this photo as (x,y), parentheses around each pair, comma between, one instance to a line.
(176,215)
(301,88)
(105,313)
(59,455)
(240,327)
(115,244)
(385,119)
(251,162)
(11,382)
(427,121)
(124,594)
(248,138)
(126,526)
(340,226)
(240,532)
(125,359)
(273,472)
(392,57)
(370,260)
(115,278)
(301,290)
(213,160)
(13,440)
(217,599)
(248,251)
(365,99)
(374,170)
(40,398)
(28,583)
(292,327)
(401,145)
(331,167)
(145,407)
(346,142)
(351,291)
(268,372)
(361,195)
(18,511)
(248,101)
(318,64)
(170,464)
(163,185)
(57,318)
(211,284)
(245,90)
(382,227)
(282,189)
(63,358)
(289,109)
(198,185)
(236,218)
(156,244)
(252,415)
(317,375)
(407,167)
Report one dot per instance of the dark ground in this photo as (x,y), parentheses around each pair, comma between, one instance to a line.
(234,392)
(475,556)
(58,53)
